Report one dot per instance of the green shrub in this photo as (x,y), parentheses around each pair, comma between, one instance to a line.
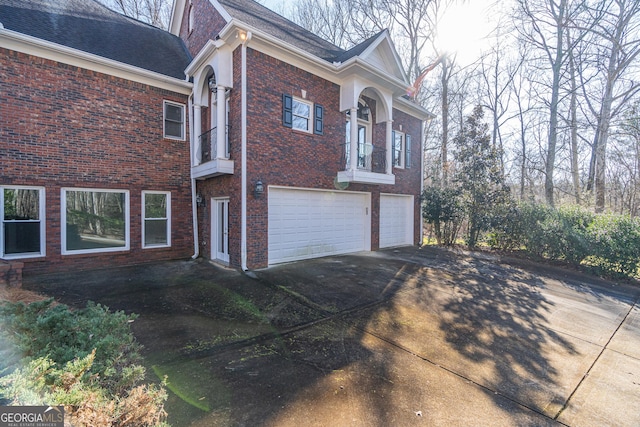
(507,228)
(616,245)
(86,360)
(442,208)
(609,244)
(41,329)
(556,234)
(43,382)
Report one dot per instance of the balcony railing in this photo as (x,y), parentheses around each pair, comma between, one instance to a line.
(370,158)
(209,163)
(209,146)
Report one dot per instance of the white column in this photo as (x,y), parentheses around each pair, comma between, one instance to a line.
(353,146)
(197,131)
(389,152)
(221,129)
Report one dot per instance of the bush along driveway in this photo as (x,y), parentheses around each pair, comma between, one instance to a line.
(398,337)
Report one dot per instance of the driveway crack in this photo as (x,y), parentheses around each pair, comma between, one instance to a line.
(584,377)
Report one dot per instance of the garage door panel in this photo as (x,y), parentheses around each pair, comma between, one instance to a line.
(306,223)
(396,220)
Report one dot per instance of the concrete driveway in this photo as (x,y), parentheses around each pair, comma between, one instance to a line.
(394,338)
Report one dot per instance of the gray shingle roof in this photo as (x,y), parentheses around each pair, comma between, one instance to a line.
(91,27)
(262,18)
(359,48)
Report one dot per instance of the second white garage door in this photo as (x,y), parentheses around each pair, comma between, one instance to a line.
(396,220)
(308,223)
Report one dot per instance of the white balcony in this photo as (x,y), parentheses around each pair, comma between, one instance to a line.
(371,166)
(208,163)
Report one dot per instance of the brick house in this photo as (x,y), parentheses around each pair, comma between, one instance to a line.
(229,137)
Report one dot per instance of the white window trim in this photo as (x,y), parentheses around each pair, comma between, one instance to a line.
(42,218)
(309,118)
(63,222)
(403,149)
(164,120)
(368,139)
(168,218)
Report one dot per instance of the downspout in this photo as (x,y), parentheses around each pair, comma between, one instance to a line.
(194,205)
(243,126)
(421,183)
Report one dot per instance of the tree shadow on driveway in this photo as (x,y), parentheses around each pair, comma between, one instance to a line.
(399,337)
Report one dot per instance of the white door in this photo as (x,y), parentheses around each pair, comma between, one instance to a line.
(310,223)
(220,230)
(396,220)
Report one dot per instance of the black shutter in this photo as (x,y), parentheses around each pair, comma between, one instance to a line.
(287,110)
(407,159)
(318,119)
(393,148)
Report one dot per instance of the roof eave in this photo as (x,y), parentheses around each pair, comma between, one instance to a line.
(41,48)
(358,65)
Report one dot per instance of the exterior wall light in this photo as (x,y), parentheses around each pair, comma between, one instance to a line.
(200,201)
(212,84)
(259,190)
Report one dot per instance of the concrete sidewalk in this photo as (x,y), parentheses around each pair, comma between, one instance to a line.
(397,337)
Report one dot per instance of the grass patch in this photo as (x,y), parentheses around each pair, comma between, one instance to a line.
(187,381)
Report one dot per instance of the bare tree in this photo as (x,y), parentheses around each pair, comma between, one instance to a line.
(330,20)
(543,24)
(616,58)
(154,12)
(497,70)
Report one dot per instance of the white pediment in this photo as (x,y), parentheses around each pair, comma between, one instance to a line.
(382,55)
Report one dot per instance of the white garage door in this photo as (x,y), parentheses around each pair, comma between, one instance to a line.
(396,220)
(309,224)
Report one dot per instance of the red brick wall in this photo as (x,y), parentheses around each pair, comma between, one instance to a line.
(281,156)
(207,24)
(62,126)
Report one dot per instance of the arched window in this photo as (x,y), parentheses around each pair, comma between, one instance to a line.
(190,20)
(365,147)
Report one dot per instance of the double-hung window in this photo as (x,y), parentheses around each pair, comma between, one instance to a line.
(174,122)
(22,222)
(398,149)
(401,145)
(94,220)
(156,214)
(302,115)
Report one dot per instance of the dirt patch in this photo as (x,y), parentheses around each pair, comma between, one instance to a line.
(12,294)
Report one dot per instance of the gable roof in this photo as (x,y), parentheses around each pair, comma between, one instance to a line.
(377,50)
(258,16)
(88,26)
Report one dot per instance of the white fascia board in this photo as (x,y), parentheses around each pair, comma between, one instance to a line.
(221,10)
(44,49)
(203,56)
(359,67)
(177,13)
(412,109)
(269,45)
(386,37)
(334,72)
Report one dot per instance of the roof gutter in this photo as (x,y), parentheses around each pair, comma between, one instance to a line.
(44,49)
(334,72)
